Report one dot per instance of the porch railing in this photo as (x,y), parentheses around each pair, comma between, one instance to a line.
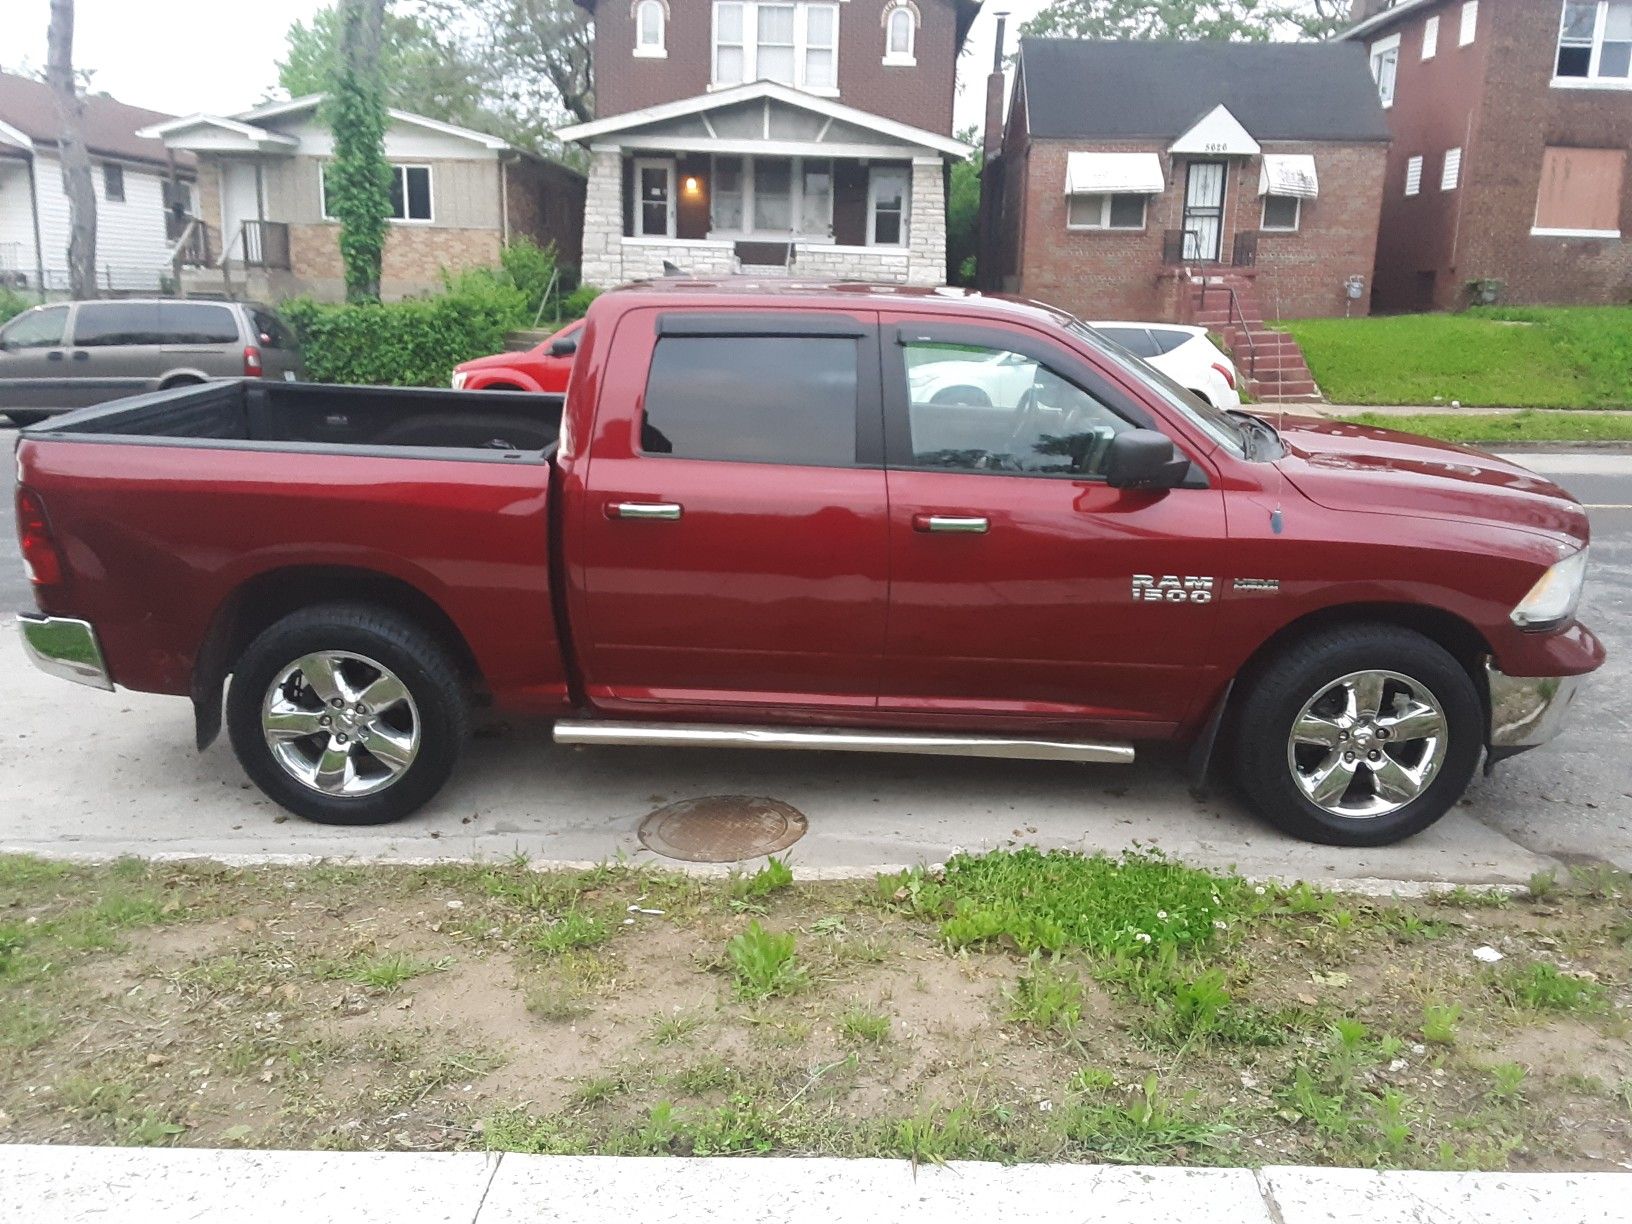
(260,244)
(1177,242)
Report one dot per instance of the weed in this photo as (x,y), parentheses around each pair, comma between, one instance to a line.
(388,970)
(748,893)
(1540,986)
(1093,1079)
(1507,1081)
(709,1075)
(1046,996)
(927,1139)
(574,929)
(1305,898)
(1145,1129)
(763,963)
(1542,884)
(1463,897)
(1439,1021)
(668,1030)
(861,1024)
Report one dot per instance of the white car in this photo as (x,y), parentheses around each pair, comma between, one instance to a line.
(1185,354)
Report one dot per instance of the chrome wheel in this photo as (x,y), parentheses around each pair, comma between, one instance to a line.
(340,723)
(1367,744)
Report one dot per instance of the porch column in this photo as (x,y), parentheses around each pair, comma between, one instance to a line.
(926,246)
(602,263)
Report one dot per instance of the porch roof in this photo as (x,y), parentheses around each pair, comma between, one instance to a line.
(793,122)
(218,134)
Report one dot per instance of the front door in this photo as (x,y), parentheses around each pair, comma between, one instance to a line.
(731,534)
(240,202)
(1020,581)
(1204,210)
(34,364)
(654,198)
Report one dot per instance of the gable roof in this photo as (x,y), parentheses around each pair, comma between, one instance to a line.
(310,102)
(28,107)
(1159,89)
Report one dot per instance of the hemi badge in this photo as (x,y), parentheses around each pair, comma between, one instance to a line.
(1257,584)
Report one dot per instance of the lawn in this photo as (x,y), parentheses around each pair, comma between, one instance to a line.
(1012,1006)
(1540,357)
(1492,428)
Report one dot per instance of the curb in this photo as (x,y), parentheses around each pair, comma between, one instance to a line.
(78,1185)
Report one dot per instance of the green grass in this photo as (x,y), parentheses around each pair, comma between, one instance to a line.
(763,963)
(1539,986)
(1491,428)
(1539,357)
(861,1024)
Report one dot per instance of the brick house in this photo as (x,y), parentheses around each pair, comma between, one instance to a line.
(1512,123)
(771,136)
(262,229)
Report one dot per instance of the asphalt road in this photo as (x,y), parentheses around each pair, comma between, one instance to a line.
(84,772)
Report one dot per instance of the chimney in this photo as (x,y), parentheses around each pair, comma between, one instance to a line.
(992,139)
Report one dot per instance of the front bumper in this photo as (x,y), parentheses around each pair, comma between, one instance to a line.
(1527,711)
(65,648)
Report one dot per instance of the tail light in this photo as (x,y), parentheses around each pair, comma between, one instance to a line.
(1228,374)
(252,361)
(41,559)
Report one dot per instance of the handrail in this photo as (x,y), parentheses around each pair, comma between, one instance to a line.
(1235,312)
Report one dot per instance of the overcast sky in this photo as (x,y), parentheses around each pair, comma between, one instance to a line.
(184,56)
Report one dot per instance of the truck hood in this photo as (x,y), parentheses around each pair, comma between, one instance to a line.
(1382,471)
(498,361)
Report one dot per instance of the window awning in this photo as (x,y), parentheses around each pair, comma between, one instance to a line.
(1104,173)
(1289,174)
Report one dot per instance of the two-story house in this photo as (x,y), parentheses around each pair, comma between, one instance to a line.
(1507,178)
(809,136)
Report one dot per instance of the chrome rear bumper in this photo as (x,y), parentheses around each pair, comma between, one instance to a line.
(65,648)
(1527,711)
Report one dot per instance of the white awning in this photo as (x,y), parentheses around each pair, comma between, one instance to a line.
(1103,173)
(1289,174)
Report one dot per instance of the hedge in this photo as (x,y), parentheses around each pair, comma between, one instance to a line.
(12,304)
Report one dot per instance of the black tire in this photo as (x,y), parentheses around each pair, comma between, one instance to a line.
(425,667)
(24,419)
(1263,723)
(961,397)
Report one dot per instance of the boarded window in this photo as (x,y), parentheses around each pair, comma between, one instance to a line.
(1581,190)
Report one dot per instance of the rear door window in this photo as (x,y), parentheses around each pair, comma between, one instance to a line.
(36,329)
(1137,340)
(271,330)
(196,323)
(1167,339)
(103,324)
(756,399)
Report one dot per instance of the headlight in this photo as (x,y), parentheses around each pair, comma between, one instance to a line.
(459,379)
(1553,599)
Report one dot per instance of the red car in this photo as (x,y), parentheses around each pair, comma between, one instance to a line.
(543,367)
(752,532)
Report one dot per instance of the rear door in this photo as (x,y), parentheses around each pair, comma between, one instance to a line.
(114,351)
(199,338)
(33,360)
(280,352)
(1022,585)
(730,544)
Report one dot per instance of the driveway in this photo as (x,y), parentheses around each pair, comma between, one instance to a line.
(84,772)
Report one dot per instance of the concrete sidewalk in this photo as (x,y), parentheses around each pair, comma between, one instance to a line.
(1440,409)
(71,1185)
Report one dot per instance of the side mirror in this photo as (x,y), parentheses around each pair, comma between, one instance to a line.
(566,346)
(1144,459)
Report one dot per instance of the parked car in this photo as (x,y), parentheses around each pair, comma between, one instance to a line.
(755,532)
(1185,354)
(72,354)
(544,367)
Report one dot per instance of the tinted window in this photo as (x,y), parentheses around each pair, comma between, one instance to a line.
(195,323)
(103,323)
(1167,339)
(271,330)
(36,328)
(1135,339)
(764,399)
(977,409)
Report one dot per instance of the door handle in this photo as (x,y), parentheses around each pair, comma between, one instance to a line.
(54,355)
(952,524)
(81,355)
(643,510)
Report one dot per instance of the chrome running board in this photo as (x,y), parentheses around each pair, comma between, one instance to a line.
(829,739)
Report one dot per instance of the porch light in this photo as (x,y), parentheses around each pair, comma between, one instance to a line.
(692,186)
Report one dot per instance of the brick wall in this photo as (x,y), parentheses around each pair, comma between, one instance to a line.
(414,258)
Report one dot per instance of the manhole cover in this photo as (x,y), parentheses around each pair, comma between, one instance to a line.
(722,828)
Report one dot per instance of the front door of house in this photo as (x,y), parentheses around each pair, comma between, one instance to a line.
(1204,210)
(654,198)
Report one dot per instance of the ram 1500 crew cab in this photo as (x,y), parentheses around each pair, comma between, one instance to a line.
(742,526)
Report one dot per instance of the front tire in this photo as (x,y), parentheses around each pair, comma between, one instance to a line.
(1358,736)
(347,714)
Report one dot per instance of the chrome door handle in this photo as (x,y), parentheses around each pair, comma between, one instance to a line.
(643,510)
(954,524)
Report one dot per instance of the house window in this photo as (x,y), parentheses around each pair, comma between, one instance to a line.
(900,35)
(764,197)
(1430,37)
(1281,213)
(1451,175)
(1413,176)
(888,191)
(1595,42)
(1123,210)
(651,21)
(1580,193)
(654,198)
(1470,22)
(795,44)
(1385,62)
(410,191)
(113,183)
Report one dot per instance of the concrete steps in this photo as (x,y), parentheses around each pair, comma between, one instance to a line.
(1270,362)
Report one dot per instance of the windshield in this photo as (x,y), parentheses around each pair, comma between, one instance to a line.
(1214,423)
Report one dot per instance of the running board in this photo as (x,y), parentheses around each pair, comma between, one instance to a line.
(825,739)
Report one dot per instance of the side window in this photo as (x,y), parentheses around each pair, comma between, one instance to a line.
(271,330)
(1135,339)
(650,18)
(1167,339)
(100,324)
(35,329)
(979,409)
(192,323)
(759,399)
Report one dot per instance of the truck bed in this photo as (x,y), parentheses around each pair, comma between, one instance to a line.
(253,414)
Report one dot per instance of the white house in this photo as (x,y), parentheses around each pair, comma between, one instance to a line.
(143,193)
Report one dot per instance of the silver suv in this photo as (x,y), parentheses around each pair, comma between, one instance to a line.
(70,355)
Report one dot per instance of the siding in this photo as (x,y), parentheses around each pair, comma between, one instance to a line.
(464,193)
(132,253)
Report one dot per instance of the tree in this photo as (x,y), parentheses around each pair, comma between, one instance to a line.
(357,181)
(74,157)
(1234,20)
(963,214)
(543,51)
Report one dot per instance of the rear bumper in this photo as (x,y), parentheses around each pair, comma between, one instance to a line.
(65,648)
(1527,711)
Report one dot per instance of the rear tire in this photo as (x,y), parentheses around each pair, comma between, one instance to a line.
(365,764)
(1360,735)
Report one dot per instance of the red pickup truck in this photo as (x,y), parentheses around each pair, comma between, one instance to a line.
(744,526)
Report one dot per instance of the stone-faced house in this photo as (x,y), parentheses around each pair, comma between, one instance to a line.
(804,136)
(1512,123)
(262,225)
(1128,174)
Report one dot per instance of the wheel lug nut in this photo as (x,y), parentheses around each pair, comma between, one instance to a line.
(324,721)
(341,738)
(1374,755)
(1348,756)
(336,702)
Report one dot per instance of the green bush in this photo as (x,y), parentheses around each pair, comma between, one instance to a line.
(530,268)
(576,304)
(12,304)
